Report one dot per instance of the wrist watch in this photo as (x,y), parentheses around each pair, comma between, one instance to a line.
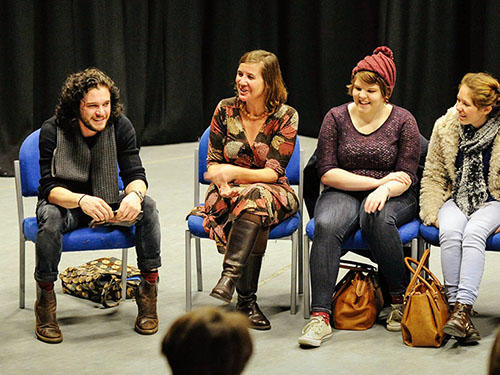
(139,194)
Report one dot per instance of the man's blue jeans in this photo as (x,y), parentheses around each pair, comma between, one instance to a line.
(338,214)
(54,221)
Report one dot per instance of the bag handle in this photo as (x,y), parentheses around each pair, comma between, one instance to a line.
(428,271)
(417,276)
(106,291)
(356,266)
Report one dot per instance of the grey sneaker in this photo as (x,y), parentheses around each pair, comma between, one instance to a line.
(394,319)
(315,332)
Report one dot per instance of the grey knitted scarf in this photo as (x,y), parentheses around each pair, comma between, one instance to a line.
(73,160)
(470,186)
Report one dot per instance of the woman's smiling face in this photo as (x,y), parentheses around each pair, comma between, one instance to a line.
(367,97)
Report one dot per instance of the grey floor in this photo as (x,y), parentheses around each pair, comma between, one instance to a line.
(102,341)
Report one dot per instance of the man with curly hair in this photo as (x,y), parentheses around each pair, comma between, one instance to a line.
(80,148)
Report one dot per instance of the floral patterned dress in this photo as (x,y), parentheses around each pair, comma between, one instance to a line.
(272,148)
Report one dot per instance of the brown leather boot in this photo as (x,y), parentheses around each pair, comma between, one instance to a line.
(247,299)
(147,317)
(460,324)
(46,328)
(239,246)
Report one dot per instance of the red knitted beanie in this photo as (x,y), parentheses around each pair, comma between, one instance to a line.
(382,63)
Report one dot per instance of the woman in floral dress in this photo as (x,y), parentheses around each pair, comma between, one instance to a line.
(252,137)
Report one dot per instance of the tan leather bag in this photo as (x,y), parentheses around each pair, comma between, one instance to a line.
(357,299)
(426,308)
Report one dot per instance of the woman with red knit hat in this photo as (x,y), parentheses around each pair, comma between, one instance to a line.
(368,153)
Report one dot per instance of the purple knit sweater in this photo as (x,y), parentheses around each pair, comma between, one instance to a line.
(395,146)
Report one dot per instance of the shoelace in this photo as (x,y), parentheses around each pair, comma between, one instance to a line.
(314,325)
(395,314)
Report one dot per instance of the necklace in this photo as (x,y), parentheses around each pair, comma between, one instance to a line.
(243,108)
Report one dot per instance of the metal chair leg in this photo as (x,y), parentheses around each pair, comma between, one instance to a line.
(187,262)
(199,276)
(124,273)
(293,289)
(301,262)
(22,273)
(307,295)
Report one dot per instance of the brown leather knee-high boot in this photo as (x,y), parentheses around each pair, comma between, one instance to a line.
(247,285)
(239,246)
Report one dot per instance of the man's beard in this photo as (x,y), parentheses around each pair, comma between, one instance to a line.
(89,126)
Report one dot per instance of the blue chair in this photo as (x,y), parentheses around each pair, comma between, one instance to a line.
(430,236)
(409,236)
(290,229)
(27,176)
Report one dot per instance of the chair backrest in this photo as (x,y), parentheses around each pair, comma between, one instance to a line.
(29,164)
(293,168)
(29,156)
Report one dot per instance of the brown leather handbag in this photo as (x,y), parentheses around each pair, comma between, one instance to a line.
(426,308)
(357,299)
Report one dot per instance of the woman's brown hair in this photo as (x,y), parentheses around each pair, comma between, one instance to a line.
(485,90)
(275,91)
(370,78)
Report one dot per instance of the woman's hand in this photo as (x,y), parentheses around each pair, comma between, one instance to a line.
(401,177)
(376,199)
(221,174)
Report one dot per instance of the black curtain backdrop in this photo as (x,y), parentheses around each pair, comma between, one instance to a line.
(174,60)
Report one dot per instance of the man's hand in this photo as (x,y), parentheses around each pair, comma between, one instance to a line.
(96,208)
(376,199)
(130,207)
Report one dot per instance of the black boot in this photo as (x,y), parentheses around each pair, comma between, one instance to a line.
(46,327)
(239,246)
(247,299)
(460,324)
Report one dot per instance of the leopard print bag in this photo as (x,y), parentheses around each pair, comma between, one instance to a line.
(100,281)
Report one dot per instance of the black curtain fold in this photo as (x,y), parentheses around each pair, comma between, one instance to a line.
(175,59)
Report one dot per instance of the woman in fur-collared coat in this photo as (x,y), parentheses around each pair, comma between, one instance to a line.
(460,193)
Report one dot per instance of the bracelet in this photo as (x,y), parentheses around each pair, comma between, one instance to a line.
(139,194)
(79,200)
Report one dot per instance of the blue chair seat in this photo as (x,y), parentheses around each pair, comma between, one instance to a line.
(283,229)
(86,238)
(431,235)
(407,232)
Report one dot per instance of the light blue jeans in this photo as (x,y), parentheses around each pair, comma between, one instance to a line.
(463,243)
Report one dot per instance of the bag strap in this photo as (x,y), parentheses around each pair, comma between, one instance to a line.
(356,266)
(106,291)
(428,271)
(417,274)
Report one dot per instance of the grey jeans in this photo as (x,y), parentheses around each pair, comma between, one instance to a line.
(463,244)
(54,221)
(338,214)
